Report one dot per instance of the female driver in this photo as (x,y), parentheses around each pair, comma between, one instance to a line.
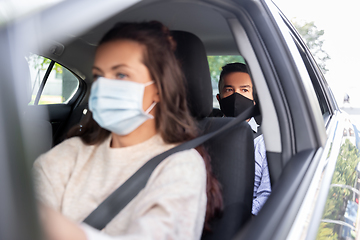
(139,110)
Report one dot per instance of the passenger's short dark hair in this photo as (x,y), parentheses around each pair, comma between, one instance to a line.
(233,67)
(230,68)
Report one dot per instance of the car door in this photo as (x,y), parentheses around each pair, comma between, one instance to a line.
(329,209)
(18,36)
(316,142)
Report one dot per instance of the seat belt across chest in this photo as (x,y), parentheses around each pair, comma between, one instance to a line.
(117,200)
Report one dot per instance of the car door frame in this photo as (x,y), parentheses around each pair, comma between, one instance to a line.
(302,151)
(17,201)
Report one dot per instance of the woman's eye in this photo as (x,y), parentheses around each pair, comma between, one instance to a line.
(228,90)
(244,90)
(121,75)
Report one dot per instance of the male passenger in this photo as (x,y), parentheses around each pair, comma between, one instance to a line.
(236,95)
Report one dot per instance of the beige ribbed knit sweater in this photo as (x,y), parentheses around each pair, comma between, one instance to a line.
(75,178)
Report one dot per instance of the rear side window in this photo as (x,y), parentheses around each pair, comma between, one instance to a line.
(51,83)
(215,65)
(318,82)
(315,78)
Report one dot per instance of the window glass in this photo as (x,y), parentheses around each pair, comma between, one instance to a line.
(215,64)
(60,84)
(317,80)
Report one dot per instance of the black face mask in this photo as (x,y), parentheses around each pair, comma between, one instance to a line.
(235,104)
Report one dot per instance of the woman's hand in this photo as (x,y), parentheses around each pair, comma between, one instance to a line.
(58,227)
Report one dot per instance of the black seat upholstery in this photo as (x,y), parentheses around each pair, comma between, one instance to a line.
(232,153)
(38,134)
(192,57)
(232,160)
(38,130)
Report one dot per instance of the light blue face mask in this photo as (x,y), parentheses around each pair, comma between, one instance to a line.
(116,105)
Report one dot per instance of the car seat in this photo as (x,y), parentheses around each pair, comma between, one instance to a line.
(232,153)
(38,131)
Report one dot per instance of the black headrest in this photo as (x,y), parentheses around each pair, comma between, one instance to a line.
(191,54)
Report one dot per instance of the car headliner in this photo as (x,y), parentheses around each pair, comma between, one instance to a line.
(199,18)
(208,23)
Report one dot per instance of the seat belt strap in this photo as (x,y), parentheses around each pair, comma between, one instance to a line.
(258,133)
(116,201)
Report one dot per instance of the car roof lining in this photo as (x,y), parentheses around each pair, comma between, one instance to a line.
(204,20)
(196,17)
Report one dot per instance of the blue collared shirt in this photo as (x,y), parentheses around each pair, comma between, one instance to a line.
(262,186)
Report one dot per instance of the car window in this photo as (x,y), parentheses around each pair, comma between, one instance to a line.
(215,65)
(317,87)
(315,74)
(51,83)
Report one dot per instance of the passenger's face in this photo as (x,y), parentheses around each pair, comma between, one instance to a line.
(237,82)
(122,60)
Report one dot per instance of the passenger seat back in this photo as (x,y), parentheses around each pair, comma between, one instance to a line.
(232,160)
(232,153)
(38,135)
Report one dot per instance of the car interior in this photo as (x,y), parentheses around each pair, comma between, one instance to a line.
(200,29)
(219,31)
